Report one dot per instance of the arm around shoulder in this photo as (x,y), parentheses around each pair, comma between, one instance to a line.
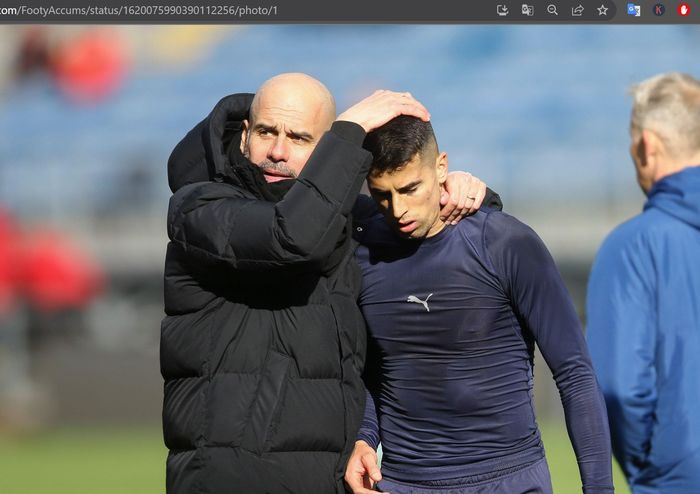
(220,224)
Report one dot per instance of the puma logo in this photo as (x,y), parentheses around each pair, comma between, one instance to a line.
(424,303)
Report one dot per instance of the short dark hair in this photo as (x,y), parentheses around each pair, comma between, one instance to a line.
(396,143)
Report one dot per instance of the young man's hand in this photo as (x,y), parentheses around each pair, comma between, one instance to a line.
(362,471)
(462,196)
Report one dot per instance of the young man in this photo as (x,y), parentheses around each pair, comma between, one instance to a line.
(263,344)
(453,314)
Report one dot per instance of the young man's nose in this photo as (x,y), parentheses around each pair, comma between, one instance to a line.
(397,208)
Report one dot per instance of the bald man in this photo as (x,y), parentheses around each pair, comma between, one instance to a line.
(262,345)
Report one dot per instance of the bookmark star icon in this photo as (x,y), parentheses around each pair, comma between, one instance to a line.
(602,10)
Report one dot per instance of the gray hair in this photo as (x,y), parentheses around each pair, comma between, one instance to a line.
(669,104)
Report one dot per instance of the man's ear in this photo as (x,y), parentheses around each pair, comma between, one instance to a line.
(441,167)
(638,151)
(244,136)
(650,148)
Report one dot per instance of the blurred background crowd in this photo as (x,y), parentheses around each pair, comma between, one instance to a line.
(89,115)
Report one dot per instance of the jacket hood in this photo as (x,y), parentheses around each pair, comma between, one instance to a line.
(202,154)
(678,195)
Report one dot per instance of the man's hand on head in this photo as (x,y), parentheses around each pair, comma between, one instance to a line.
(462,196)
(382,106)
(362,471)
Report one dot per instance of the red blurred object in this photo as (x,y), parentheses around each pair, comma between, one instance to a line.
(91,65)
(56,274)
(45,269)
(9,239)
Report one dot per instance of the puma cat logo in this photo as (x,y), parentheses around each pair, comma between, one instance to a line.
(413,298)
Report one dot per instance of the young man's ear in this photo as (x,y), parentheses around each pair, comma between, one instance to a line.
(441,167)
(244,136)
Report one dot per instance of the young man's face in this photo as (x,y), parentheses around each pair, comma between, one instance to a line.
(410,196)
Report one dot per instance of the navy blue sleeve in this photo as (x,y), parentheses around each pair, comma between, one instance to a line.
(545,311)
(369,430)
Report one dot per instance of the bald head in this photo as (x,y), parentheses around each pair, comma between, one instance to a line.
(288,116)
(295,91)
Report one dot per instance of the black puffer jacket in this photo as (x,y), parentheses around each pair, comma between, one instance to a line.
(263,344)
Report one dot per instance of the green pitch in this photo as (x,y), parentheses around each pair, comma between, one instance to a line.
(132,461)
(562,462)
(84,461)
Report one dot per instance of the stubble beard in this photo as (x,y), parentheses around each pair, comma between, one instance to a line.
(265,165)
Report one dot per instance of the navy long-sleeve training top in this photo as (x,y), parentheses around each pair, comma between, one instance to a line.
(453,321)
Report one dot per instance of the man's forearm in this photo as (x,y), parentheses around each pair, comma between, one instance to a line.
(369,430)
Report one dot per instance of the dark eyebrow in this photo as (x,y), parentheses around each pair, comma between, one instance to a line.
(273,130)
(301,135)
(409,186)
(264,126)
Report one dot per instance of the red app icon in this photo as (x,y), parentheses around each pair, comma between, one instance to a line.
(683,9)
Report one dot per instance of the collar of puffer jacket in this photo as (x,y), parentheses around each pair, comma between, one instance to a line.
(202,154)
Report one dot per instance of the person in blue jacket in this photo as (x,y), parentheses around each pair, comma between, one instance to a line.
(644,298)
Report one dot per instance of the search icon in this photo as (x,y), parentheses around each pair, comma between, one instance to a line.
(552,9)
